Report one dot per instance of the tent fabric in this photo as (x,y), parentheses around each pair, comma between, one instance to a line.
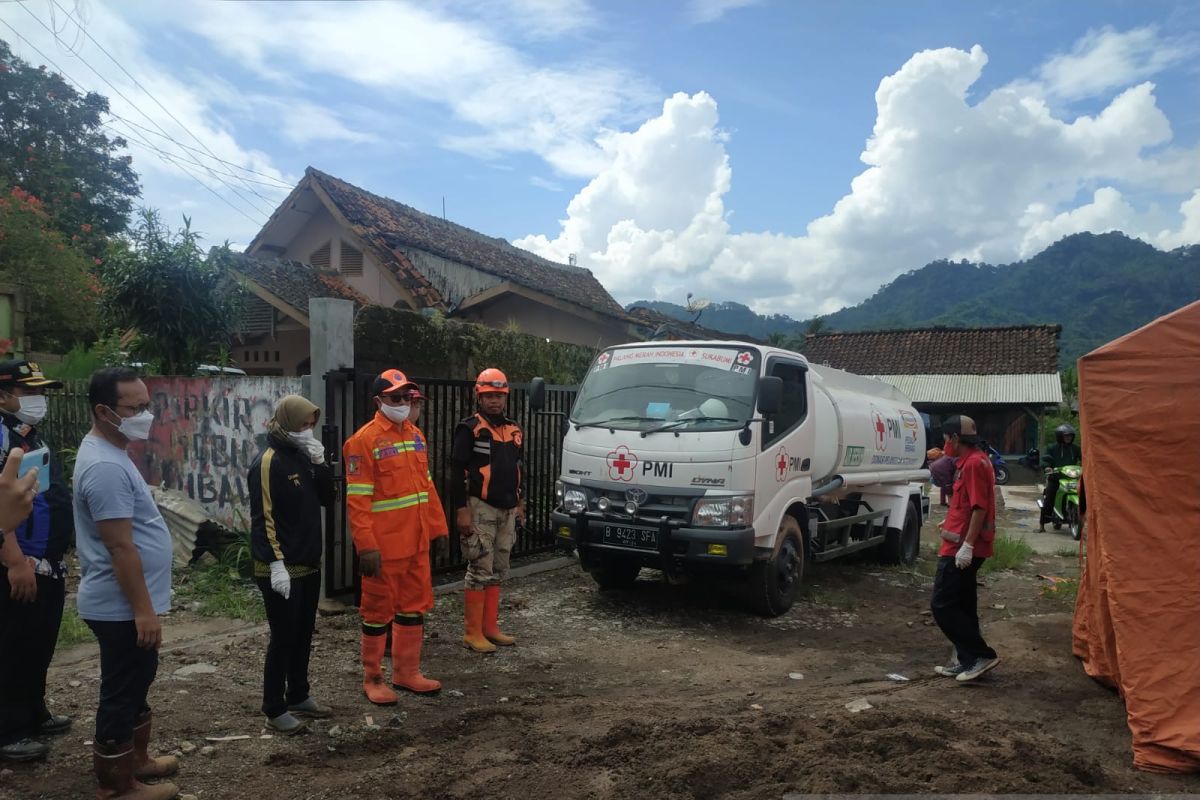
(1137,617)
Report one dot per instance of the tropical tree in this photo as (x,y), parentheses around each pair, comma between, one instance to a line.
(53,145)
(183,304)
(56,274)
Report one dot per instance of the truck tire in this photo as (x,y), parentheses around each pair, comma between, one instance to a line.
(773,583)
(902,545)
(614,573)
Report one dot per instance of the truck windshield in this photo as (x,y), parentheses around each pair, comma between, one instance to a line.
(641,388)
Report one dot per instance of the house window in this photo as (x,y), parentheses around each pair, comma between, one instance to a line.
(352,261)
(320,257)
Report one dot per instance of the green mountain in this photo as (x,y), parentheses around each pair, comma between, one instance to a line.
(1097,286)
(730,317)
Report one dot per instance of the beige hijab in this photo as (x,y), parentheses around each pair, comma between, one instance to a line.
(292,412)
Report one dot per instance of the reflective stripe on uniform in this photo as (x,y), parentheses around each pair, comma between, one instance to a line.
(360,488)
(408,501)
(399,447)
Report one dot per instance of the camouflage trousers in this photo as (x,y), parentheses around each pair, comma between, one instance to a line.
(487,551)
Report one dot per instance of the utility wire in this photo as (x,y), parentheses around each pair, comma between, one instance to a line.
(249,203)
(166,110)
(81,87)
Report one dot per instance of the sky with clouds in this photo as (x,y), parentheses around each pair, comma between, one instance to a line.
(791,156)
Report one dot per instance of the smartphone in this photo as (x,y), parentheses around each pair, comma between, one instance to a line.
(40,459)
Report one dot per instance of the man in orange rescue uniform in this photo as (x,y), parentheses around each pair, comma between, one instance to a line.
(395,514)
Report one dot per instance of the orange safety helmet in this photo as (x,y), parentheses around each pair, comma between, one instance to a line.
(491,380)
(389,381)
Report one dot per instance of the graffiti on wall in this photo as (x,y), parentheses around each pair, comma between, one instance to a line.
(207,432)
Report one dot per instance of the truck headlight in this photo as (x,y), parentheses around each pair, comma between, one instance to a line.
(572,499)
(724,512)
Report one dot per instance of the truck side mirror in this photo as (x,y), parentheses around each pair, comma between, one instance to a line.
(537,395)
(770,394)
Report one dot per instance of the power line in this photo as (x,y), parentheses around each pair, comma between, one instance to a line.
(278,184)
(249,203)
(190,174)
(166,110)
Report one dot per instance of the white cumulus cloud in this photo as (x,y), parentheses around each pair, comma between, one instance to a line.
(993,180)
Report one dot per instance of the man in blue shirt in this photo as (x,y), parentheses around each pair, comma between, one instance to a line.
(32,574)
(125,562)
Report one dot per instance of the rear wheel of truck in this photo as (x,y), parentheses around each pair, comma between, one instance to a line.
(773,583)
(902,545)
(614,573)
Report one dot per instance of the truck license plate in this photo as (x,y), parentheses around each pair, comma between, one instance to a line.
(625,536)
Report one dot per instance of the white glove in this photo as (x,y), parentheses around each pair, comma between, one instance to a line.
(316,451)
(281,582)
(962,559)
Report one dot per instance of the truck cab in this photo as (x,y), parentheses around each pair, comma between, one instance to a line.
(697,458)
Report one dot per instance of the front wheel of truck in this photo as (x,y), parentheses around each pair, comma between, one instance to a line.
(774,583)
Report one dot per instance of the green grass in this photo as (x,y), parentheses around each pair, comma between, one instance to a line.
(1064,591)
(73,630)
(223,588)
(842,601)
(1008,553)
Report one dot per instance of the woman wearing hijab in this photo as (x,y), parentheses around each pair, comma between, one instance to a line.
(288,483)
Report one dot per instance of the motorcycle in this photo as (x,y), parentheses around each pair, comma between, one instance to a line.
(1066,500)
(999,466)
(1032,459)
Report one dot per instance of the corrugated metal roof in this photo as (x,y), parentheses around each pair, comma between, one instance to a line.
(1039,388)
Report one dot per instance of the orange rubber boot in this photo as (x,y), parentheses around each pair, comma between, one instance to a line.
(491,613)
(406,660)
(374,686)
(474,601)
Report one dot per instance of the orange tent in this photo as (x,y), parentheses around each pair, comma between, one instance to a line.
(1137,618)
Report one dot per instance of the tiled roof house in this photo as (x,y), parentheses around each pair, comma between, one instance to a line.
(394,255)
(1003,377)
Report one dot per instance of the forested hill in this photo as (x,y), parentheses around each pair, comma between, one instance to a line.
(1097,286)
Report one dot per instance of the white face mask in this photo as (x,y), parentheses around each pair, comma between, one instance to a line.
(33,409)
(137,427)
(396,414)
(302,438)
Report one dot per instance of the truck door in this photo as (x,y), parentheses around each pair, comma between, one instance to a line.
(786,446)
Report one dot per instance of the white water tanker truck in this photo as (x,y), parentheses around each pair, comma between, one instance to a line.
(709,457)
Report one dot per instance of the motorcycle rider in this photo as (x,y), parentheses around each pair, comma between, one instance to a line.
(1064,452)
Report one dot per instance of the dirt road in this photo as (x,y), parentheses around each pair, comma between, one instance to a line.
(665,692)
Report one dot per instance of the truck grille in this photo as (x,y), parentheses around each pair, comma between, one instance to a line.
(655,505)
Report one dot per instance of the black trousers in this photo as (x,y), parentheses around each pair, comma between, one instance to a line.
(285,674)
(955,608)
(126,674)
(1048,498)
(28,634)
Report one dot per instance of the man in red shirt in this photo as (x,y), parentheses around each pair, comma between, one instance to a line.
(967,535)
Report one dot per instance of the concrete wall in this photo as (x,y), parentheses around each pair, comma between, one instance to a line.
(284,354)
(206,433)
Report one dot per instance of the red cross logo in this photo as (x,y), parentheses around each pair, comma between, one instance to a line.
(880,432)
(744,359)
(694,354)
(781,465)
(603,359)
(621,463)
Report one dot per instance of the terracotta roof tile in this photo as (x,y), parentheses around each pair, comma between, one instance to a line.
(1018,349)
(294,282)
(390,227)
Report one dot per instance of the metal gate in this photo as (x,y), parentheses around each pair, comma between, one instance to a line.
(347,394)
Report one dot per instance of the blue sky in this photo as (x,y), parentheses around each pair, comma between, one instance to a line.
(714,146)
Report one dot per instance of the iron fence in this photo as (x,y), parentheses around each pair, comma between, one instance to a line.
(68,418)
(446,403)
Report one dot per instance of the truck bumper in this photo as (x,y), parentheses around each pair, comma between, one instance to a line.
(676,544)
